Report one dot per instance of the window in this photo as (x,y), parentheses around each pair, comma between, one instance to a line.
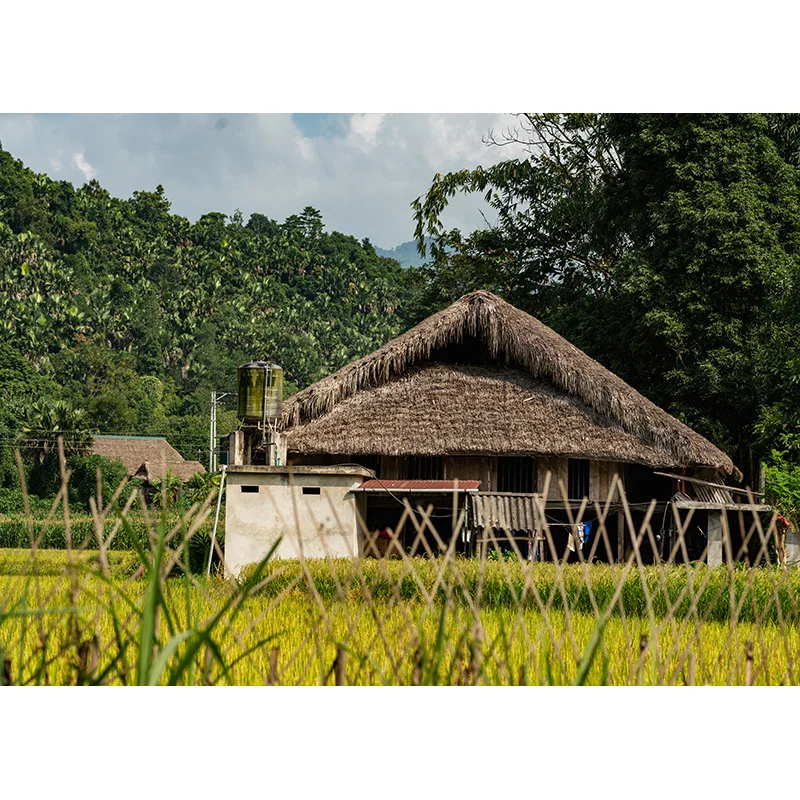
(311,490)
(578,478)
(253,489)
(425,468)
(516,474)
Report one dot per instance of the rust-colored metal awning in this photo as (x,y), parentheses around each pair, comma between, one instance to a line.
(417,487)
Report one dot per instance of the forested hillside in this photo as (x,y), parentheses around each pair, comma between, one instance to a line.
(666,246)
(406,253)
(118,316)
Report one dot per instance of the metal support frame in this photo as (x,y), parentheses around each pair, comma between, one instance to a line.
(212,449)
(216,521)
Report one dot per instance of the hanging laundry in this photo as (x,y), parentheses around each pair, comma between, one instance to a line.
(579,535)
(587,529)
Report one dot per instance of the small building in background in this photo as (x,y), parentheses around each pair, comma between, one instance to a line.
(147,457)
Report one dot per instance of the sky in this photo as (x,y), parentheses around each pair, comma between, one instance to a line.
(362,171)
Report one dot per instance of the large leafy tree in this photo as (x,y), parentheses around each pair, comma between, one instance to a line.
(664,245)
(712,213)
(551,236)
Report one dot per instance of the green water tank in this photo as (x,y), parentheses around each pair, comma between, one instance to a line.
(259,389)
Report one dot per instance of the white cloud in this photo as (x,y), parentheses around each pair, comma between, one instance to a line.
(56,164)
(364,130)
(84,166)
(363,182)
(306,148)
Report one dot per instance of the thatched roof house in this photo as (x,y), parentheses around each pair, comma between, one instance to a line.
(148,457)
(483,378)
(480,410)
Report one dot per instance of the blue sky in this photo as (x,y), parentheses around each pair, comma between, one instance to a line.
(360,170)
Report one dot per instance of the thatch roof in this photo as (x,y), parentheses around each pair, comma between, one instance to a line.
(382,404)
(148,457)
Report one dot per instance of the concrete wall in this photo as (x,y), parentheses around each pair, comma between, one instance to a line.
(792,548)
(279,451)
(236,448)
(317,525)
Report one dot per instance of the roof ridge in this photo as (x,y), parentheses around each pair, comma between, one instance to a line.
(518,339)
(132,438)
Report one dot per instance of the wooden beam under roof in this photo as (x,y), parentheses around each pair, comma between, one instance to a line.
(707,483)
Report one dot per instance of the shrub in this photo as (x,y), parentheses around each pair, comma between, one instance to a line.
(83,483)
(782,486)
(11,503)
(14,533)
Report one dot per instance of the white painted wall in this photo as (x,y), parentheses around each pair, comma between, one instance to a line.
(792,548)
(716,538)
(308,525)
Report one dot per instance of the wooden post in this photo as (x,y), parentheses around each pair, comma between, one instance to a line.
(479,535)
(340,666)
(272,678)
(620,536)
(748,667)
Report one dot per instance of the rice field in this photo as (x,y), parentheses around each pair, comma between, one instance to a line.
(65,618)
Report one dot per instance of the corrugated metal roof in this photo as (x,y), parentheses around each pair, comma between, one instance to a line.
(712,494)
(417,486)
(510,512)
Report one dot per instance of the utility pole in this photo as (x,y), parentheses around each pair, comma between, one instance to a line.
(212,450)
(213,432)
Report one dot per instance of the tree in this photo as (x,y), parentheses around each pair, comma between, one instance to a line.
(551,234)
(20,385)
(663,245)
(83,480)
(131,314)
(712,213)
(263,226)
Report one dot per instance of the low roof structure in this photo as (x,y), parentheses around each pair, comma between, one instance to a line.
(483,377)
(504,510)
(148,457)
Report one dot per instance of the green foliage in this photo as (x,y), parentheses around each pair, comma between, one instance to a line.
(121,317)
(167,491)
(560,587)
(14,532)
(714,235)
(12,503)
(201,485)
(782,486)
(83,482)
(666,246)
